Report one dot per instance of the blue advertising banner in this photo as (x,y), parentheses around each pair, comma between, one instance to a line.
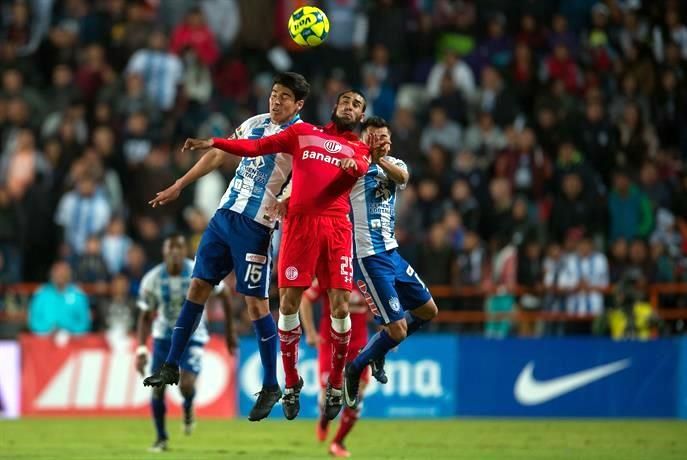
(567,378)
(422,380)
(682,380)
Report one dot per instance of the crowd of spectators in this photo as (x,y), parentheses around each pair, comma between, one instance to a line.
(546,139)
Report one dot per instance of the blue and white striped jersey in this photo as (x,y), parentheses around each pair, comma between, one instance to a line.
(258,181)
(165,293)
(373,201)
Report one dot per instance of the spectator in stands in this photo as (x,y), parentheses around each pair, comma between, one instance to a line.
(637,140)
(11,265)
(63,90)
(135,268)
(593,278)
(498,217)
(116,313)
(655,189)
(463,201)
(484,138)
(492,97)
(472,262)
(59,305)
(629,209)
(90,266)
(13,86)
(380,96)
(561,66)
(162,71)
(194,33)
(460,73)
(135,98)
(530,275)
(82,212)
(441,131)
(572,210)
(115,245)
(596,138)
(666,114)
(451,100)
(138,140)
(437,262)
(617,260)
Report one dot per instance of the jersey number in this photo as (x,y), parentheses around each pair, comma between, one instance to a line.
(347,267)
(254,273)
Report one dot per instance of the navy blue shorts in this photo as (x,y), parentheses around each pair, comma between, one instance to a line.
(233,241)
(190,360)
(390,285)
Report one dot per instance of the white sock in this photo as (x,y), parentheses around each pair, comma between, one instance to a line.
(288,322)
(341,325)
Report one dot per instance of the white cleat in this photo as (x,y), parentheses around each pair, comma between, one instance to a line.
(159,446)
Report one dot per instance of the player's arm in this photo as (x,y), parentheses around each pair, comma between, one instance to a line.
(280,142)
(312,338)
(357,165)
(395,172)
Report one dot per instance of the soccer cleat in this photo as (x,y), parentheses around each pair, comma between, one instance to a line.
(332,402)
(336,449)
(167,374)
(267,398)
(290,402)
(377,367)
(322,428)
(158,446)
(189,424)
(351,386)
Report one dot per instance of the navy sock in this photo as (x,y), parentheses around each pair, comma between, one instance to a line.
(414,323)
(187,322)
(268,339)
(188,402)
(378,346)
(159,409)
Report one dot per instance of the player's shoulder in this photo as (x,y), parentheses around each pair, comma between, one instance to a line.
(303,127)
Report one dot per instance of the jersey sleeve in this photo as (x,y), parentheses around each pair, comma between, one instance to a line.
(244,128)
(401,164)
(147,300)
(285,142)
(362,161)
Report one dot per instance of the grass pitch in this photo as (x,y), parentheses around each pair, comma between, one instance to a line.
(121,438)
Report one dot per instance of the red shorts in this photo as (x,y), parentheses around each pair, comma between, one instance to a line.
(320,246)
(324,358)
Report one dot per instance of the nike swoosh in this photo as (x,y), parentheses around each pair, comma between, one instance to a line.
(530,392)
(178,327)
(253,286)
(262,339)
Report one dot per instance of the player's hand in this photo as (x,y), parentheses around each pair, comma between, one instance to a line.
(348,163)
(378,147)
(197,144)
(141,363)
(169,194)
(312,340)
(278,210)
(232,343)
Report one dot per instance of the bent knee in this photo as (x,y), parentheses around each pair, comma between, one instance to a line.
(398,330)
(428,311)
(199,291)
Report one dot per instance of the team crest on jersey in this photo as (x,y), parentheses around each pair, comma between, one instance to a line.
(332,146)
(383,191)
(394,304)
(257,162)
(291,273)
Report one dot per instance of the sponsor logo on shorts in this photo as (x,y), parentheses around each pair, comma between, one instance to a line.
(368,298)
(291,273)
(256,258)
(332,146)
(394,304)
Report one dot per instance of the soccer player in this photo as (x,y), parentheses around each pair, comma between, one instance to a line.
(358,312)
(393,290)
(238,237)
(161,296)
(317,234)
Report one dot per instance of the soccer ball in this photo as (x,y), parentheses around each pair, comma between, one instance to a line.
(308,26)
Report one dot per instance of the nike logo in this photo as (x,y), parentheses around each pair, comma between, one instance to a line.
(530,392)
(263,339)
(253,286)
(178,327)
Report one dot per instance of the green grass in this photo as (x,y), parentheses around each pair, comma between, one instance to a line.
(125,439)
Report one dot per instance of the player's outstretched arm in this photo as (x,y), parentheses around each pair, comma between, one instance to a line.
(211,160)
(284,142)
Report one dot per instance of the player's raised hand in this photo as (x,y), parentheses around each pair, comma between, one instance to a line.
(378,147)
(348,163)
(197,144)
(169,194)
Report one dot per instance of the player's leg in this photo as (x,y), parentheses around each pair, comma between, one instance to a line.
(349,417)
(324,362)
(213,264)
(375,279)
(252,260)
(158,407)
(191,361)
(297,261)
(340,335)
(414,296)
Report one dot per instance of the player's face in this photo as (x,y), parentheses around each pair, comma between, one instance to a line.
(283,104)
(174,251)
(382,134)
(350,109)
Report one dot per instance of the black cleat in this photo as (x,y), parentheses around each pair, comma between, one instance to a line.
(267,398)
(377,367)
(290,402)
(351,386)
(333,401)
(158,446)
(167,374)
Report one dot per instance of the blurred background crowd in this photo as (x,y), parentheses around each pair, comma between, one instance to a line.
(546,140)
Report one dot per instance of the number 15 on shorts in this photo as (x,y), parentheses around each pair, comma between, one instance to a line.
(347,268)
(253,274)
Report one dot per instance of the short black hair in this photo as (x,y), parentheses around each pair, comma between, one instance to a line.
(295,82)
(174,236)
(375,122)
(354,91)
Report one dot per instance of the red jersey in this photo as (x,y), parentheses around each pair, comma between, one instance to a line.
(319,186)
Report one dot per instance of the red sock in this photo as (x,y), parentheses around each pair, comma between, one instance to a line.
(288,343)
(340,341)
(348,419)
